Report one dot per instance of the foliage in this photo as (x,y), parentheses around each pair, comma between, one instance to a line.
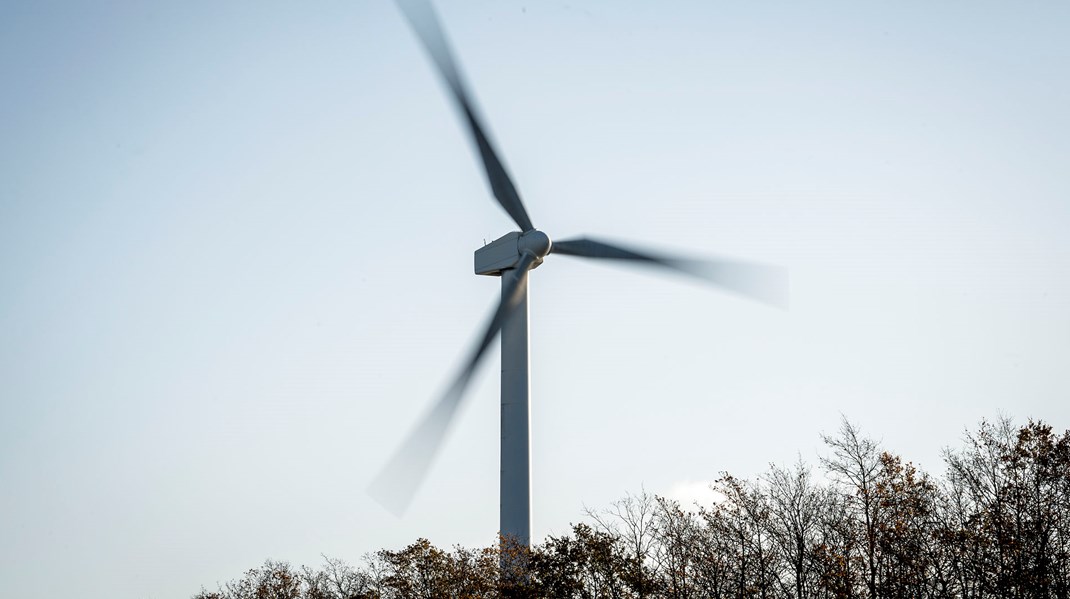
(996,525)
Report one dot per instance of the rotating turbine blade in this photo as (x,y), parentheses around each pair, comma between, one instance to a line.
(764,283)
(426,25)
(396,484)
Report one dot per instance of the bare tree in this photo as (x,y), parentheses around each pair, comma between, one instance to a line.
(1011,488)
(677,550)
(632,520)
(796,506)
(855,462)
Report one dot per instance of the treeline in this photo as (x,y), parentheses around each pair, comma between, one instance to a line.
(867,525)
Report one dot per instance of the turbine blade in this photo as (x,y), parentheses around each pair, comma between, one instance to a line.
(761,282)
(396,484)
(425,23)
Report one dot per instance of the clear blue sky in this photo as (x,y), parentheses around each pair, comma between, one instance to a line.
(235,246)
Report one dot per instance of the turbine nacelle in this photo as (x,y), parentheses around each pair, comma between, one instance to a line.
(506,251)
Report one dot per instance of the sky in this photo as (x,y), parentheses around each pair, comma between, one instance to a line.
(235,260)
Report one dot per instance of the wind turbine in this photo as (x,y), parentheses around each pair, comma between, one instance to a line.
(511,257)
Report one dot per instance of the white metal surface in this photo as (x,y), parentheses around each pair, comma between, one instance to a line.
(515,508)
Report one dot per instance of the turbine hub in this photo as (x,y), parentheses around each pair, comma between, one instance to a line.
(536,242)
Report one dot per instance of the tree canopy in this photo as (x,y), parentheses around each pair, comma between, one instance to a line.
(997,524)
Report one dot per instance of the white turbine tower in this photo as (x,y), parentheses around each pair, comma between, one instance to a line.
(511,257)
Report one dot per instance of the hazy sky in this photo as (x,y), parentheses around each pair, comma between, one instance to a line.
(236,255)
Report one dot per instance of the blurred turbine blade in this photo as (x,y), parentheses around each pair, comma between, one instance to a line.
(396,484)
(425,23)
(761,282)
